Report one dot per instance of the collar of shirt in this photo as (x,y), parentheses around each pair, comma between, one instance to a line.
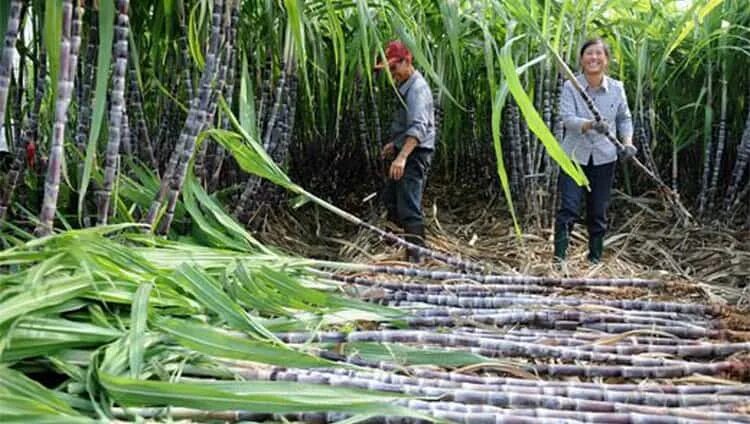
(403,88)
(585,83)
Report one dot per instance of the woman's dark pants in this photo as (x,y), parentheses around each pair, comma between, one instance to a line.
(600,179)
(403,198)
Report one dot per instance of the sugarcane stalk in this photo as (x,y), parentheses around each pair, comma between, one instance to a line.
(185,58)
(136,105)
(498,302)
(588,390)
(30,134)
(574,336)
(265,91)
(720,141)
(9,49)
(456,289)
(126,142)
(673,198)
(465,401)
(501,279)
(708,351)
(199,165)
(198,117)
(550,317)
(116,111)
(740,165)
(66,78)
(728,367)
(506,347)
(218,161)
(87,76)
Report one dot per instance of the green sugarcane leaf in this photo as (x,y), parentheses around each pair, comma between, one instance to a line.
(689,21)
(535,122)
(248,152)
(217,343)
(194,44)
(216,237)
(408,355)
(103,64)
(207,291)
(138,319)
(16,384)
(13,406)
(51,293)
(44,419)
(52,35)
(253,396)
(248,118)
(46,336)
(497,110)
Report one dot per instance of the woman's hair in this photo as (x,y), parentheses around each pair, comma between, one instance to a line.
(591,42)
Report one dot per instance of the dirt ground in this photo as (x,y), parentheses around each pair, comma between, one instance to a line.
(644,242)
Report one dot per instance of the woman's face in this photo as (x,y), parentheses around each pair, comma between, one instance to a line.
(594,59)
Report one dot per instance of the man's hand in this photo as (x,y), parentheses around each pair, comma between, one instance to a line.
(397,168)
(389,150)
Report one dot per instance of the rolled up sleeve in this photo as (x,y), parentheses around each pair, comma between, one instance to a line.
(571,120)
(418,103)
(624,117)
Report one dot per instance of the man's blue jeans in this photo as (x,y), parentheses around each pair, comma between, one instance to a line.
(403,198)
(600,179)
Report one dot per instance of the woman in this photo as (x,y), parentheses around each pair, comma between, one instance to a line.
(586,142)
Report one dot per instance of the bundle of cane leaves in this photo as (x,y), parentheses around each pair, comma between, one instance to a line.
(110,317)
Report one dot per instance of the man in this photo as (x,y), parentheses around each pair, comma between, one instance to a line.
(411,143)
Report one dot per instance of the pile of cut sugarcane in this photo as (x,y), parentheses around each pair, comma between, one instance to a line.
(108,324)
(546,356)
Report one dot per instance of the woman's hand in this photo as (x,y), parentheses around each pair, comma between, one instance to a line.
(628,150)
(602,127)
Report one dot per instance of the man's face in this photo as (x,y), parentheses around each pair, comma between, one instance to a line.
(399,70)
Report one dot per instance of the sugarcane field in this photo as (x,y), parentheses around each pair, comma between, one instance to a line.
(379,211)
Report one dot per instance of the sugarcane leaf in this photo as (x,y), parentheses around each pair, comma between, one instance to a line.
(216,237)
(52,35)
(51,293)
(227,223)
(43,419)
(688,24)
(534,121)
(36,336)
(207,291)
(103,64)
(217,343)
(497,107)
(409,355)
(194,43)
(138,318)
(15,383)
(248,118)
(253,396)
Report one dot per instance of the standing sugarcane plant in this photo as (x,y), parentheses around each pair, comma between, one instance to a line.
(26,151)
(6,61)
(116,112)
(135,104)
(740,166)
(65,81)
(198,116)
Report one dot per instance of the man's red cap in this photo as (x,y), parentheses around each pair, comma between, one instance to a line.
(396,51)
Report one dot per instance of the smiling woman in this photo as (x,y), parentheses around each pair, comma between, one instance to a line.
(586,142)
